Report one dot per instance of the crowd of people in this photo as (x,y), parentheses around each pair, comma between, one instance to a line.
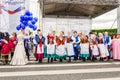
(73,46)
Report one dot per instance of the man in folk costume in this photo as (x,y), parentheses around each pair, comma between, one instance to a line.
(107,42)
(76,44)
(5,48)
(60,47)
(39,52)
(50,47)
(69,46)
(26,45)
(13,42)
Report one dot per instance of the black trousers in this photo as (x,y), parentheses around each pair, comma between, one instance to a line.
(27,53)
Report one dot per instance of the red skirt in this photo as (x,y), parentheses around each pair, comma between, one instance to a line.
(5,49)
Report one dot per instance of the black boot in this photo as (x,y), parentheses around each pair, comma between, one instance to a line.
(48,60)
(61,60)
(40,60)
(51,60)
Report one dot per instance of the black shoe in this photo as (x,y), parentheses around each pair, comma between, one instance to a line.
(55,59)
(61,60)
(40,61)
(51,60)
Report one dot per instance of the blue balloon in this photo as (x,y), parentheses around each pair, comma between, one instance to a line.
(22,17)
(36,19)
(30,18)
(33,22)
(28,13)
(34,27)
(26,17)
(18,27)
(30,25)
(25,23)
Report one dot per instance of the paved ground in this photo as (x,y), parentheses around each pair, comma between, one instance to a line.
(62,71)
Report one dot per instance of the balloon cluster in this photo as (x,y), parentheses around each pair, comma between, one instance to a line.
(27,20)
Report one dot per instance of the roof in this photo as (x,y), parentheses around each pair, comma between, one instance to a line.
(77,8)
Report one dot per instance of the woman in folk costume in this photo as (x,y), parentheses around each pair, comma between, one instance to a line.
(19,57)
(60,47)
(35,41)
(50,52)
(13,42)
(5,48)
(115,46)
(54,35)
(103,48)
(84,45)
(39,52)
(94,48)
(107,42)
(69,46)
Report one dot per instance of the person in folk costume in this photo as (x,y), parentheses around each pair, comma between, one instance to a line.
(69,46)
(35,41)
(26,45)
(103,48)
(115,47)
(54,35)
(1,37)
(13,42)
(39,52)
(107,42)
(84,45)
(5,48)
(19,57)
(76,44)
(94,48)
(60,47)
(50,47)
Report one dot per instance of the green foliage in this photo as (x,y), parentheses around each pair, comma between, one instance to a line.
(110,31)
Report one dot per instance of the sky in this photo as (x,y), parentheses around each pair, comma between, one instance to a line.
(105,21)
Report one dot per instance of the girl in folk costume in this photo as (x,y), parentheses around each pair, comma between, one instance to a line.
(60,47)
(13,42)
(50,47)
(94,48)
(39,52)
(69,46)
(115,47)
(84,45)
(5,48)
(103,48)
(19,57)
